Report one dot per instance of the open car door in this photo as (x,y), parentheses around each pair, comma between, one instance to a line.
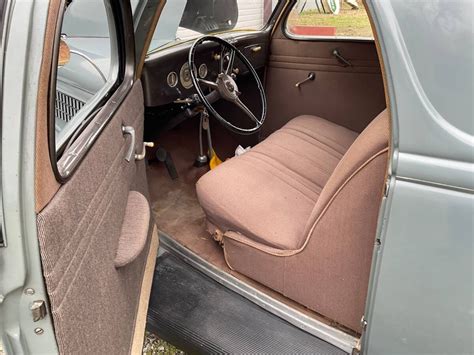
(97,239)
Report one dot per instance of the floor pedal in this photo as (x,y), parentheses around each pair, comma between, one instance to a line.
(164,156)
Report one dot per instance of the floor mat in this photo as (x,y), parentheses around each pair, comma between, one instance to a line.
(200,316)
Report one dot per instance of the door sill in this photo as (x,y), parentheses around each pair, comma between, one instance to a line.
(140,320)
(300,320)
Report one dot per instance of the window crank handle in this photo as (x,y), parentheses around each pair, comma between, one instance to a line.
(341,59)
(311,77)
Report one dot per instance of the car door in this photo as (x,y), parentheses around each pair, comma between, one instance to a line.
(333,57)
(96,235)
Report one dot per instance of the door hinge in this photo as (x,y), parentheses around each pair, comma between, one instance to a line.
(38,310)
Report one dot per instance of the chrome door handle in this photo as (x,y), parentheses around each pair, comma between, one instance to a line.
(131,149)
(311,77)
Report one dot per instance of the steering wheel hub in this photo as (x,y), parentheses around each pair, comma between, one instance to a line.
(227,87)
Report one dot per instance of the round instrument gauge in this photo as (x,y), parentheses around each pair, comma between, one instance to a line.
(172,79)
(185,76)
(202,71)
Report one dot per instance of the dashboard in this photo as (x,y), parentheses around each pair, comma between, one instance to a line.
(166,75)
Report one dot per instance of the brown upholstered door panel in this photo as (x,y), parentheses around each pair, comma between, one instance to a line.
(94,298)
(348,96)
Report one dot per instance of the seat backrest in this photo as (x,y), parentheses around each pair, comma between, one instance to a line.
(340,233)
(370,144)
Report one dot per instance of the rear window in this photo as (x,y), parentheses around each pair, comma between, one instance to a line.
(344,19)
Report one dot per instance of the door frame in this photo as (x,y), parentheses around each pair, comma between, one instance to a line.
(21,273)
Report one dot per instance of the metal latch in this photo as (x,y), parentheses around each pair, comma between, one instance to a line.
(38,310)
(386,188)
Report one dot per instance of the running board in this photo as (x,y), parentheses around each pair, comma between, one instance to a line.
(199,315)
(336,337)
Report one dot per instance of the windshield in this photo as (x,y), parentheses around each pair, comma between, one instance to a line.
(183,20)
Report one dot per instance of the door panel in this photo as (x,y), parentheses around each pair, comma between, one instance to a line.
(93,303)
(348,96)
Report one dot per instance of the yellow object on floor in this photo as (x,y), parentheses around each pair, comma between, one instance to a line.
(214,161)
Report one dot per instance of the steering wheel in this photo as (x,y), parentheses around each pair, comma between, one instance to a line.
(225,86)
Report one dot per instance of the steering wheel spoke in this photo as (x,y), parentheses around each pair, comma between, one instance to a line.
(208,83)
(213,96)
(230,63)
(247,111)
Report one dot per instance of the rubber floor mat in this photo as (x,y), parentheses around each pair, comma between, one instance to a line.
(198,315)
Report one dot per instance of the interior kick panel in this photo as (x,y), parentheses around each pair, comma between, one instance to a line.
(197,314)
(158,65)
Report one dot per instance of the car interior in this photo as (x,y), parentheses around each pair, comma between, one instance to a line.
(297,213)
(268,164)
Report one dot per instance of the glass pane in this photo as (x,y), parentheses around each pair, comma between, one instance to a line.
(183,20)
(329,18)
(85,64)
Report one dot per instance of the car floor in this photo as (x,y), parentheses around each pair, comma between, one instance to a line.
(175,205)
(174,202)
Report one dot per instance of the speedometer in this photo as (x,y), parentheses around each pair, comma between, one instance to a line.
(185,76)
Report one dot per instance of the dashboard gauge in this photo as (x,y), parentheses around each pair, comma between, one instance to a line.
(172,79)
(185,76)
(202,71)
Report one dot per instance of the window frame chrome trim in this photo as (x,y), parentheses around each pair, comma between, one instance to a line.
(107,105)
(3,21)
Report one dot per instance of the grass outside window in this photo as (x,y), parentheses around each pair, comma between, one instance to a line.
(348,23)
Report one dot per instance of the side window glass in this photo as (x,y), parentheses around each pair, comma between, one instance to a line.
(87,65)
(344,19)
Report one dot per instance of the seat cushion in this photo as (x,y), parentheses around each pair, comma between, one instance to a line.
(268,193)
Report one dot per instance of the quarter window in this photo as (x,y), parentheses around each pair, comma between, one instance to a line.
(329,19)
(87,65)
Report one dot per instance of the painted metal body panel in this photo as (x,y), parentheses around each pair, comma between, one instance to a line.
(424,292)
(21,277)
(421,298)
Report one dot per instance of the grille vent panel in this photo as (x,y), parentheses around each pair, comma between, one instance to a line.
(66,106)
